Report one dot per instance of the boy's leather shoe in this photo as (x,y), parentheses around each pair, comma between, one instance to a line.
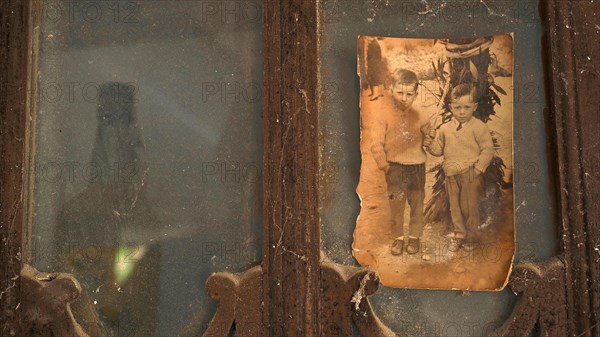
(413,246)
(455,245)
(397,246)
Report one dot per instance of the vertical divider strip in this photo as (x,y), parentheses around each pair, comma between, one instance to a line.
(574,57)
(15,37)
(291,261)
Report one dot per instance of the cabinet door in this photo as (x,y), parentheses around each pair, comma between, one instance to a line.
(143,156)
(544,272)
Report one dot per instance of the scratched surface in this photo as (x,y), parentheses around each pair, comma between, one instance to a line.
(148,155)
(427,312)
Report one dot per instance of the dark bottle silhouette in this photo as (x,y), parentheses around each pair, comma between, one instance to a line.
(103,233)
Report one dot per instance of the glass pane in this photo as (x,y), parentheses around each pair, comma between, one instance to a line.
(147,156)
(433,312)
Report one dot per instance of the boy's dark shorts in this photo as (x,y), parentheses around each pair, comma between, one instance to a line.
(401,177)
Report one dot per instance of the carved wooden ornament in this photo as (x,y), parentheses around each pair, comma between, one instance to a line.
(45,303)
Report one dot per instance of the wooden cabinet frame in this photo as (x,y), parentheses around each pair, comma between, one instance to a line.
(563,296)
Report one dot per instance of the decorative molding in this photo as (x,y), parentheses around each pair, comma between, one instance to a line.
(542,300)
(344,302)
(344,299)
(45,305)
(344,296)
(239,297)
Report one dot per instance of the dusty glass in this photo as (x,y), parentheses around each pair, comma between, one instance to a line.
(147,170)
(429,312)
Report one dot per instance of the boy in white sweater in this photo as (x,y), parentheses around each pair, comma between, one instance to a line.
(397,147)
(467,146)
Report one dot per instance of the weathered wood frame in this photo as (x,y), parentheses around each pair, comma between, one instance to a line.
(292,270)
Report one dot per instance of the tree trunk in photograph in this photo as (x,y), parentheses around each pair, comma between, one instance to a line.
(472,69)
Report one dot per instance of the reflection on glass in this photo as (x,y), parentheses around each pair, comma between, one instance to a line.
(109,225)
(147,157)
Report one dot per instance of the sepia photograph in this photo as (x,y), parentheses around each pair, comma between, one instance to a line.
(436,178)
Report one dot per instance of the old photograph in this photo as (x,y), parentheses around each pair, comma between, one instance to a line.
(436,179)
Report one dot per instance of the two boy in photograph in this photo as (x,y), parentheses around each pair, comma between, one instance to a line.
(402,135)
